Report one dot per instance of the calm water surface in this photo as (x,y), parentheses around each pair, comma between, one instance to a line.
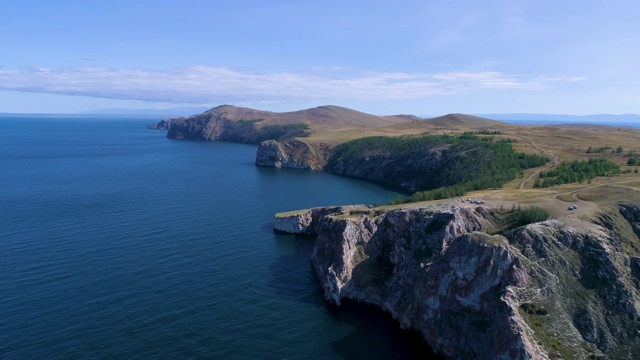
(118,243)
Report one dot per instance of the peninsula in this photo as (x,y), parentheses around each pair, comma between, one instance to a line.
(513,241)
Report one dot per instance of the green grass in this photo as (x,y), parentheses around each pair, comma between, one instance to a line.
(289,213)
(487,238)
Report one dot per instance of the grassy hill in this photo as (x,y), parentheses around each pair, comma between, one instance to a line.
(333,125)
(462,121)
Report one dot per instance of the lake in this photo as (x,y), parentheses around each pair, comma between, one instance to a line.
(119,243)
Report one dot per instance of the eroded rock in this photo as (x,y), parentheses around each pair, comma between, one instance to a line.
(545,290)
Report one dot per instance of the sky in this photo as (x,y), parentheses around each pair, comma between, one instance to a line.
(428,57)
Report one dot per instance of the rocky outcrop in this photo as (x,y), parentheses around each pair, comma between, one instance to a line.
(408,170)
(631,213)
(233,124)
(164,124)
(213,125)
(285,133)
(546,290)
(430,162)
(584,280)
(294,154)
(305,221)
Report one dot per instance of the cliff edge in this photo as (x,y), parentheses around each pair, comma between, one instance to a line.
(164,124)
(546,290)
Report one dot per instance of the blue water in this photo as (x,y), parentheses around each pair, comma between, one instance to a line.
(118,243)
(547,122)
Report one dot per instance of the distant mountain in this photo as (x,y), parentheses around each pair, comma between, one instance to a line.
(556,118)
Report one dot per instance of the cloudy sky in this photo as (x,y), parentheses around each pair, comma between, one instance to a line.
(427,57)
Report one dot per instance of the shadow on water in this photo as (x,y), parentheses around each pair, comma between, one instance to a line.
(292,276)
(377,335)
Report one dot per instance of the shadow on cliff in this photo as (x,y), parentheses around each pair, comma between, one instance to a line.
(376,335)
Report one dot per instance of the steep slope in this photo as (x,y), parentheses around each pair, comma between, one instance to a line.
(420,163)
(292,154)
(230,123)
(549,290)
(164,124)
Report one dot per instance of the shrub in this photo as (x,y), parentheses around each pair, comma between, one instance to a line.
(520,217)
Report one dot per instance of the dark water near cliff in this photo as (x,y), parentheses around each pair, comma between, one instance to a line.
(118,243)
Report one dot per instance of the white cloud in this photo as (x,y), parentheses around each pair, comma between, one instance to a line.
(202,84)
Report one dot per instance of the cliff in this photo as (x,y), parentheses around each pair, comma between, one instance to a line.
(164,124)
(555,289)
(427,162)
(282,136)
(295,154)
(246,125)
(229,123)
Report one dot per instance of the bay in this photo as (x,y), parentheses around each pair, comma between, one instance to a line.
(116,242)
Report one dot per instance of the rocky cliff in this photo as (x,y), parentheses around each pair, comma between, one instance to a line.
(295,154)
(283,136)
(241,125)
(428,162)
(164,124)
(555,289)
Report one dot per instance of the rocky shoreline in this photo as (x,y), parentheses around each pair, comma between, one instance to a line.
(525,293)
(471,285)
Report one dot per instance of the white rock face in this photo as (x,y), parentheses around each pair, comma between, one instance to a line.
(298,223)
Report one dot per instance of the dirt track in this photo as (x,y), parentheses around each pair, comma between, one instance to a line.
(554,162)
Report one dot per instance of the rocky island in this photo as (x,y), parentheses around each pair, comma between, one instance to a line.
(477,280)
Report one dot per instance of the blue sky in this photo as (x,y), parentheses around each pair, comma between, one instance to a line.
(382,57)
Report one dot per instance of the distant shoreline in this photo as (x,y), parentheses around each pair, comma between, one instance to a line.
(575,120)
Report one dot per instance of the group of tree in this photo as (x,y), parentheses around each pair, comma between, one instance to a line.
(486,132)
(576,171)
(603,149)
(283,131)
(454,165)
(599,149)
(520,217)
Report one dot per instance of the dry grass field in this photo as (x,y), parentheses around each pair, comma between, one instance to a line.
(333,125)
(559,142)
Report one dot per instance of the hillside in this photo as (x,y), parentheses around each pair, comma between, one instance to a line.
(462,121)
(246,125)
(468,275)
(307,139)
(428,162)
